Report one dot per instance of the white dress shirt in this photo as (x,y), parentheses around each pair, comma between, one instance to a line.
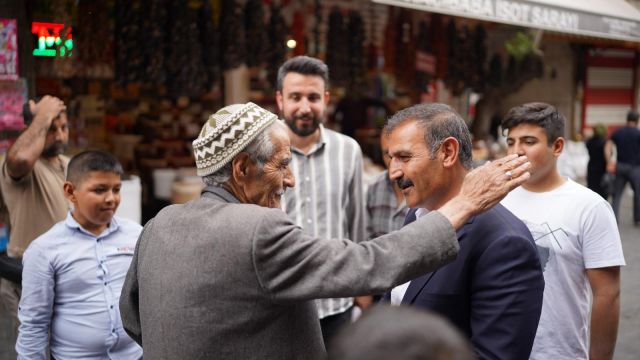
(71,286)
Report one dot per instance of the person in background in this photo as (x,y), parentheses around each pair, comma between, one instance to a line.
(328,201)
(73,273)
(240,282)
(492,291)
(577,239)
(400,333)
(599,154)
(386,208)
(31,182)
(627,166)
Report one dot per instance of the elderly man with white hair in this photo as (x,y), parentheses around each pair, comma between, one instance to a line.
(229,276)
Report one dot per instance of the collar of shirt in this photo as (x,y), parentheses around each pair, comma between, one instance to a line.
(219,192)
(318,145)
(71,223)
(421,212)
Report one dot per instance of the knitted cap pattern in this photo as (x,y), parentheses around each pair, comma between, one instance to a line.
(228,132)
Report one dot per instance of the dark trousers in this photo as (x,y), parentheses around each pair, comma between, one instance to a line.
(332,324)
(631,174)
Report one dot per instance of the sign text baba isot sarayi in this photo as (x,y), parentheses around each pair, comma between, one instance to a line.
(510,11)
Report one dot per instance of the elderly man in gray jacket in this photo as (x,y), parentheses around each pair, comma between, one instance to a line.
(229,276)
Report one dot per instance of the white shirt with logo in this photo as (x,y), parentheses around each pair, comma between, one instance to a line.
(574,230)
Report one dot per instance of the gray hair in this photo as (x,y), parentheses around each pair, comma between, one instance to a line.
(260,150)
(439,122)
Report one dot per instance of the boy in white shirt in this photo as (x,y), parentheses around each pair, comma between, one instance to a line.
(577,238)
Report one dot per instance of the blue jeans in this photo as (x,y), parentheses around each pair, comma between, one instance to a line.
(631,174)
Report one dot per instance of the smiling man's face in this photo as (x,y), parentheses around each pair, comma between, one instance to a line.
(418,175)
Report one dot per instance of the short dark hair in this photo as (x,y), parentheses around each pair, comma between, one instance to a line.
(439,122)
(536,113)
(402,333)
(304,65)
(632,116)
(92,160)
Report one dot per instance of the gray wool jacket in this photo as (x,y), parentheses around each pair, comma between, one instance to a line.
(217,279)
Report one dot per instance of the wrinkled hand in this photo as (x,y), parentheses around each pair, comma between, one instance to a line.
(485,186)
(47,109)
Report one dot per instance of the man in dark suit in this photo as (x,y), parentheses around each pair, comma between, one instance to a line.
(230,276)
(493,291)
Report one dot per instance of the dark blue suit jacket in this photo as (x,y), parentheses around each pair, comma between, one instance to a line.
(493,291)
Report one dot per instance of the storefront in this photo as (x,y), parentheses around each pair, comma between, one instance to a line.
(140,77)
(600,37)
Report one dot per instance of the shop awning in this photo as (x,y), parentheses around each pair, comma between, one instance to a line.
(609,19)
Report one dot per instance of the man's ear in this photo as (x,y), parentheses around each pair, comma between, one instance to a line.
(279,100)
(449,150)
(240,168)
(558,146)
(327,97)
(69,191)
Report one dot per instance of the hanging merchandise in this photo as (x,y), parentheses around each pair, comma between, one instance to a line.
(129,36)
(154,26)
(13,94)
(357,70)
(405,52)
(337,48)
(494,78)
(64,65)
(479,52)
(298,34)
(466,58)
(255,33)
(209,26)
(455,67)
(372,49)
(425,61)
(277,37)
(317,14)
(95,38)
(390,41)
(233,35)
(8,49)
(187,75)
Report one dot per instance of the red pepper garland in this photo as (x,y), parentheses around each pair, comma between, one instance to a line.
(277,30)
(256,33)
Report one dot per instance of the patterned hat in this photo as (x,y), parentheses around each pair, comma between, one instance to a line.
(228,132)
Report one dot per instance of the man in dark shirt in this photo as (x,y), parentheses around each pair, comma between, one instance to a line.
(627,169)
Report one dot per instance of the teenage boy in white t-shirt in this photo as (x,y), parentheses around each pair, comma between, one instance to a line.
(577,238)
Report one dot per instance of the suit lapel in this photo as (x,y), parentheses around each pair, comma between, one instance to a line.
(415,287)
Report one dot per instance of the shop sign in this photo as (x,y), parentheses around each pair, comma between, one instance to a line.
(8,49)
(529,14)
(53,39)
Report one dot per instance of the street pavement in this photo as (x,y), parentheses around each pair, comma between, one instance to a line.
(628,346)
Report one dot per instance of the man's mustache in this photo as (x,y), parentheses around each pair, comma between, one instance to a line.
(404,183)
(304,117)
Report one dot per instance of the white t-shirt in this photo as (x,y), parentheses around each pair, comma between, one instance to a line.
(574,229)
